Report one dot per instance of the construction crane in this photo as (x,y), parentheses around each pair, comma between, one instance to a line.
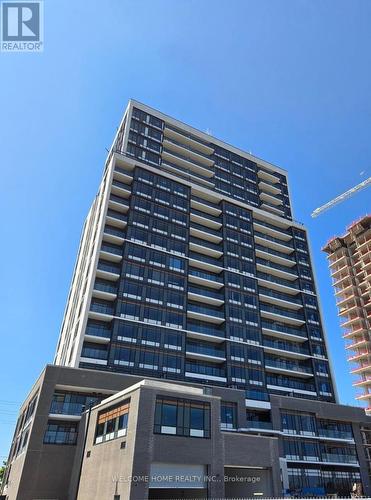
(341,197)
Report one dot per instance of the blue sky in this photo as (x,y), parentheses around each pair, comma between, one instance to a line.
(288,80)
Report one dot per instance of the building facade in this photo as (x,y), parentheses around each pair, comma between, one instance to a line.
(192,272)
(191,266)
(349,259)
(156,439)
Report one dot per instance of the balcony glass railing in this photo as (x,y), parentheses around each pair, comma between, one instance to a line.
(280,295)
(205,215)
(206,229)
(98,331)
(208,351)
(105,287)
(278,281)
(272,205)
(101,308)
(274,265)
(281,312)
(205,258)
(108,268)
(187,136)
(335,434)
(120,184)
(205,243)
(274,240)
(60,408)
(274,252)
(209,311)
(118,199)
(186,146)
(289,383)
(339,458)
(275,228)
(214,371)
(204,275)
(256,424)
(116,215)
(285,346)
(284,329)
(205,202)
(185,171)
(114,231)
(274,363)
(60,437)
(205,292)
(258,395)
(186,158)
(111,249)
(205,329)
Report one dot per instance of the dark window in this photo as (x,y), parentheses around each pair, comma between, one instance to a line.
(182,417)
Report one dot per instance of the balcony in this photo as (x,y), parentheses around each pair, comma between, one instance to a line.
(121,189)
(339,458)
(274,243)
(275,231)
(258,424)
(204,313)
(104,291)
(205,296)
(123,175)
(116,219)
(205,233)
(362,368)
(274,255)
(69,410)
(274,209)
(269,187)
(286,349)
(187,150)
(204,278)
(98,334)
(110,253)
(205,247)
(280,298)
(205,373)
(284,315)
(108,271)
(268,176)
(286,368)
(188,162)
(361,354)
(113,235)
(187,140)
(206,353)
(271,199)
(204,262)
(205,219)
(278,284)
(186,173)
(207,206)
(283,332)
(117,203)
(268,266)
(205,332)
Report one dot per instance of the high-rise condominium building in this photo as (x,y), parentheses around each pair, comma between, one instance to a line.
(193,327)
(192,268)
(350,266)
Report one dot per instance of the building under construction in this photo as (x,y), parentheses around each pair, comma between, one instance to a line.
(350,266)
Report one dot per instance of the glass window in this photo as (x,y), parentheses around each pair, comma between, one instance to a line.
(228,415)
(182,417)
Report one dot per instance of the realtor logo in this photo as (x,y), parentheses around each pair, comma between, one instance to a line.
(22,26)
